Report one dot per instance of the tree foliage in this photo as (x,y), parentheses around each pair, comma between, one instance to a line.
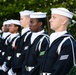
(9,9)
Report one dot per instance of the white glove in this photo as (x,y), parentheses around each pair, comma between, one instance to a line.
(0,67)
(10,72)
(4,67)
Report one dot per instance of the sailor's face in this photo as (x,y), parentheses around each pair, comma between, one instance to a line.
(55,21)
(34,25)
(12,28)
(5,28)
(24,20)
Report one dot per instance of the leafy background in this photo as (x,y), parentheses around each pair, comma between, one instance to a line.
(9,9)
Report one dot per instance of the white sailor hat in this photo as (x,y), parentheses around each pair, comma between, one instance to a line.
(17,22)
(38,15)
(25,12)
(4,23)
(62,11)
(7,22)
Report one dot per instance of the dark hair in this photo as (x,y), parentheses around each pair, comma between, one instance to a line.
(19,27)
(43,20)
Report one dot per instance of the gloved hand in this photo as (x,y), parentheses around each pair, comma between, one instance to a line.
(4,67)
(10,72)
(0,67)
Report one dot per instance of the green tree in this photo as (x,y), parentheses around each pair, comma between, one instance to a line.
(10,9)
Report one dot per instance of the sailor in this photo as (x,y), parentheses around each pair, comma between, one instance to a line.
(5,31)
(5,35)
(60,57)
(39,42)
(10,42)
(23,42)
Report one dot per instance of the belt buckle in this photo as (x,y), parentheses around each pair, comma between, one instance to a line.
(45,73)
(41,73)
(28,68)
